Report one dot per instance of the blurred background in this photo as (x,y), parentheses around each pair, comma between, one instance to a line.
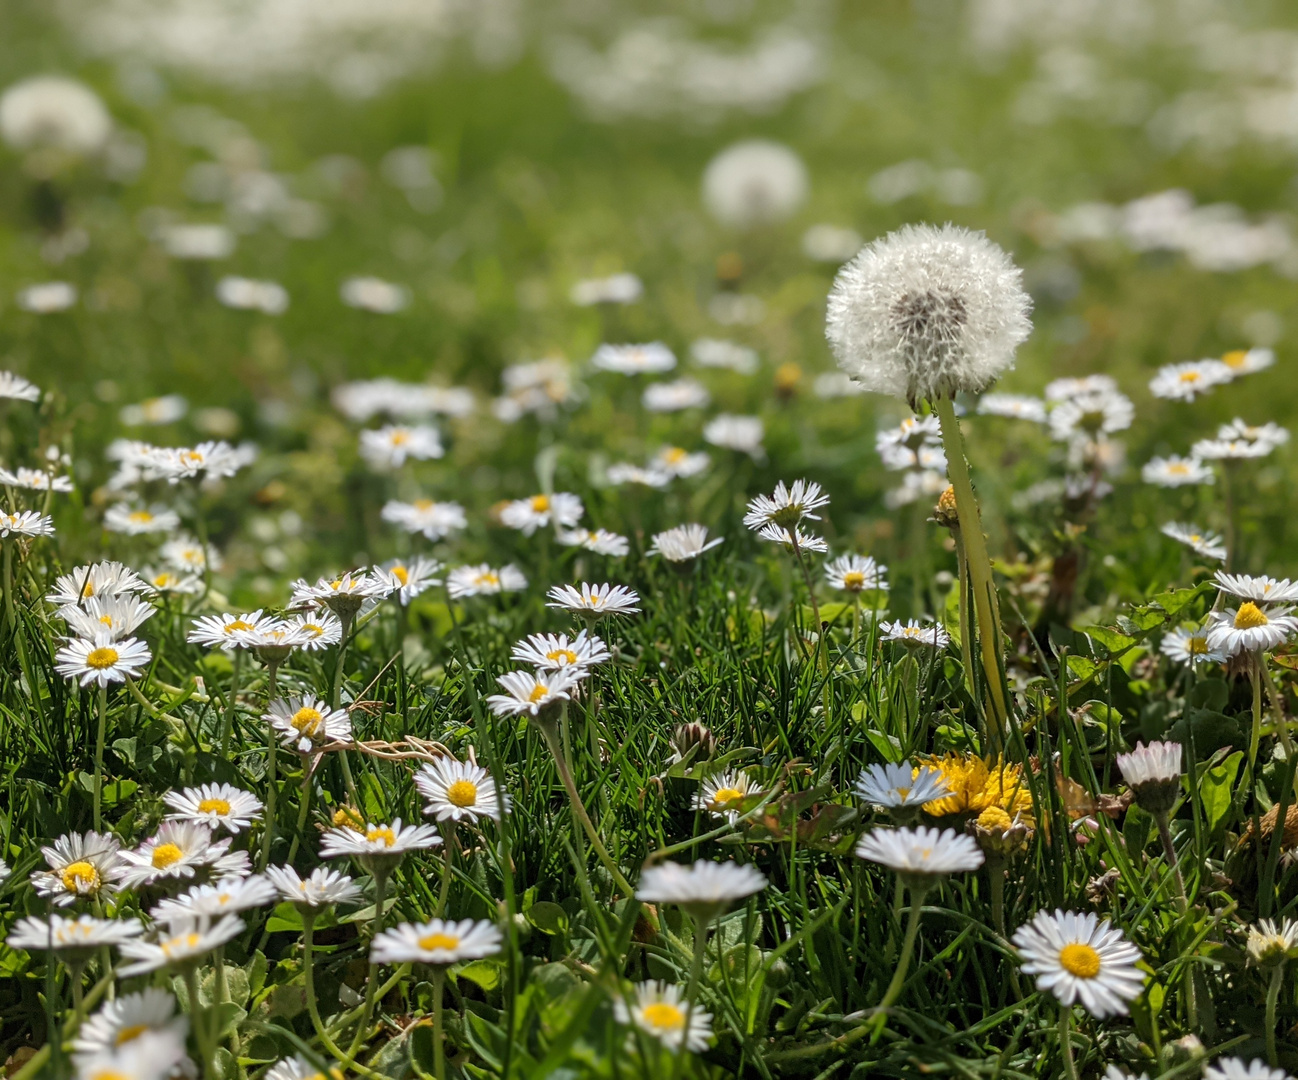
(492,159)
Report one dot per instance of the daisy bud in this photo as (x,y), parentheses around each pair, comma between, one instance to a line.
(1153,773)
(1270,944)
(688,736)
(925,312)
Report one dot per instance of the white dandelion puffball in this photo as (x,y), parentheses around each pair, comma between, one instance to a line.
(54,112)
(754,182)
(927,311)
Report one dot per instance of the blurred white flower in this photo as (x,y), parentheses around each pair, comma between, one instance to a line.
(56,113)
(248,294)
(617,289)
(742,433)
(198,242)
(374,294)
(719,353)
(47,297)
(755,182)
(830,243)
(675,396)
(634,359)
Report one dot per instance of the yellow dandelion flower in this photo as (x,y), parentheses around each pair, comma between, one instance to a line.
(977,784)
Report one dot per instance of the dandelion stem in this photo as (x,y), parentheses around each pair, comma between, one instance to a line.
(550,732)
(99,756)
(979,564)
(903,963)
(1272,997)
(439,1050)
(1066,1041)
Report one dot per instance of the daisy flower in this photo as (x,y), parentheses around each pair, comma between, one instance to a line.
(308,724)
(101,579)
(378,848)
(275,639)
(1249,628)
(123,1020)
(1234,1068)
(1078,958)
(593,602)
(484,580)
(322,888)
(25,523)
(1247,361)
(900,786)
(1015,406)
(600,541)
(150,1055)
(660,1009)
(615,289)
(552,652)
(855,573)
(248,294)
(440,942)
(172,582)
(1092,415)
(116,616)
(35,480)
(213,460)
(1261,590)
(391,446)
(787,506)
(743,434)
(530,692)
(675,396)
(1230,449)
(924,484)
(684,543)
(1190,647)
(317,631)
(634,359)
(703,890)
(920,855)
(1237,429)
(410,577)
(81,866)
(374,295)
(1205,544)
(1176,471)
(140,520)
(1153,773)
(16,388)
(176,850)
(345,595)
(723,795)
(1186,381)
(293,1068)
(458,790)
(1270,943)
(563,509)
(184,942)
(208,901)
(102,659)
(913,634)
(718,353)
(796,540)
(215,805)
(898,457)
(676,462)
(626,473)
(189,556)
(433,520)
(226,631)
(78,938)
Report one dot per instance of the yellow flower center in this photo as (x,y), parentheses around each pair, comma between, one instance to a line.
(214,806)
(185,941)
(540,503)
(401,574)
(1197,645)
(165,855)
(1080,960)
(1250,616)
(101,658)
(307,720)
(347,818)
(439,941)
(237,625)
(663,1016)
(163,580)
(1190,376)
(108,1074)
(191,457)
(487,579)
(130,1034)
(141,517)
(312,629)
(87,590)
(423,504)
(106,620)
(1178,468)
(400,437)
(561,656)
(727,795)
(382,833)
(854,580)
(538,692)
(1236,358)
(462,793)
(995,819)
(80,877)
(674,455)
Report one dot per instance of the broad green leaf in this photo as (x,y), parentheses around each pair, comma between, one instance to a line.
(1215,789)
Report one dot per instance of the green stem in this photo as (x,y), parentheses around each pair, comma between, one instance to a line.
(313,1007)
(372,983)
(903,963)
(550,732)
(1272,997)
(303,808)
(692,988)
(199,1023)
(10,619)
(99,753)
(978,563)
(439,1050)
(1183,905)
(227,722)
(448,848)
(1066,1041)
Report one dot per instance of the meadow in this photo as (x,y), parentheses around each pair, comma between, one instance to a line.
(696,540)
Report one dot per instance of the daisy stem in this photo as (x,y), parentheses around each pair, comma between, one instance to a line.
(372,982)
(979,564)
(272,795)
(10,620)
(1277,710)
(551,734)
(1256,736)
(199,1022)
(822,644)
(313,1008)
(1183,904)
(227,723)
(1066,1041)
(304,804)
(692,989)
(903,963)
(99,755)
(448,849)
(1272,997)
(439,1050)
